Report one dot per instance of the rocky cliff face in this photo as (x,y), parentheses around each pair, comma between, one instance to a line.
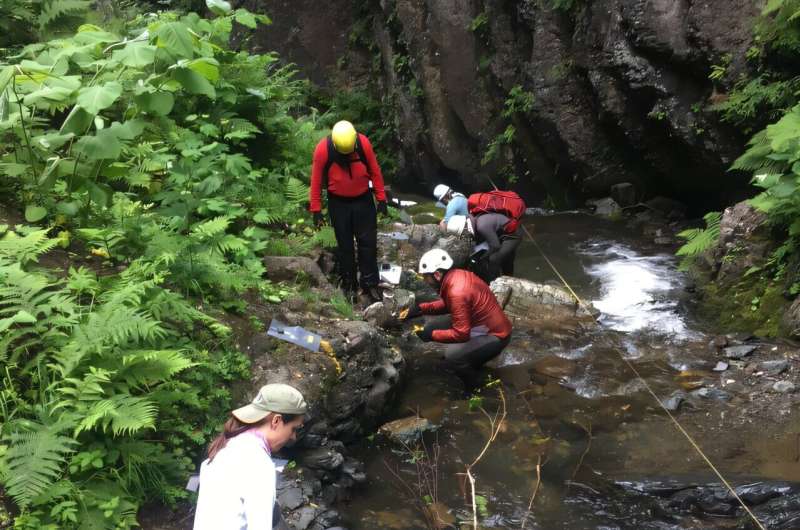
(620,87)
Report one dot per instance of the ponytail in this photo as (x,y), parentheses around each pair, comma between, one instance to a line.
(233,427)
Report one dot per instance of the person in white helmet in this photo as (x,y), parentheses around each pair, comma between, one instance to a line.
(473,324)
(454,203)
(489,228)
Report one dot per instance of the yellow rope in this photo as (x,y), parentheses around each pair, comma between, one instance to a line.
(646,385)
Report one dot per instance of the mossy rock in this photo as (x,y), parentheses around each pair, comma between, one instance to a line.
(426,207)
(426,219)
(753,305)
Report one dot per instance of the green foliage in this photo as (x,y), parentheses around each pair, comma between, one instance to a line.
(343,306)
(718,71)
(169,164)
(497,144)
(23,21)
(698,240)
(518,101)
(479,22)
(774,158)
(758,99)
(778,28)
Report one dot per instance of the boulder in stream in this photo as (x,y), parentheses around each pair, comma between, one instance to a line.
(606,207)
(406,430)
(536,307)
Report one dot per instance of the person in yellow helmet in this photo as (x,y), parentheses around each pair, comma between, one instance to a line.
(345,166)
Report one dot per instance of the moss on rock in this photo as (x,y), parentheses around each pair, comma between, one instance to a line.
(753,305)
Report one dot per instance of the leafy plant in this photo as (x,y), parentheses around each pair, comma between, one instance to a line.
(168,164)
(699,240)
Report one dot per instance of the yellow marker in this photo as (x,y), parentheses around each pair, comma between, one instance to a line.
(417,327)
(403,314)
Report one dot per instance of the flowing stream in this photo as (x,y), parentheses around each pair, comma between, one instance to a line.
(573,407)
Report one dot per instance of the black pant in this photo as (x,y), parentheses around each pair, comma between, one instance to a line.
(355,218)
(500,263)
(470,355)
(503,259)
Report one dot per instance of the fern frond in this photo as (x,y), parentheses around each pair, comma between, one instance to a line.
(28,248)
(147,367)
(35,459)
(296,191)
(325,237)
(240,129)
(132,414)
(699,240)
(211,228)
(121,414)
(55,9)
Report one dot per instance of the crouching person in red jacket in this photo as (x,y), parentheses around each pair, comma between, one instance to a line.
(472,323)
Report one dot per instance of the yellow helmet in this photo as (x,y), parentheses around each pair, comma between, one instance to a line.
(344,137)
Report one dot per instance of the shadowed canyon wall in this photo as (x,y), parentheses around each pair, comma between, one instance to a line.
(606,92)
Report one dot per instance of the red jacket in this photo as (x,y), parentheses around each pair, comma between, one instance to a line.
(471,304)
(344,182)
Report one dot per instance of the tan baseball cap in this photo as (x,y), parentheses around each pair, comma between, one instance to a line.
(275,397)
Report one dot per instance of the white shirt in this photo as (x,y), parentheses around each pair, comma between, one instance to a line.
(237,488)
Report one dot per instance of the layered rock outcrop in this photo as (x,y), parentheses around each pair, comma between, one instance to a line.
(620,89)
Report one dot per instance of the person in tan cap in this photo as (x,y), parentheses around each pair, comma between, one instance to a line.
(238,480)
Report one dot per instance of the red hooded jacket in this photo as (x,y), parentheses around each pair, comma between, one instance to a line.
(344,182)
(471,304)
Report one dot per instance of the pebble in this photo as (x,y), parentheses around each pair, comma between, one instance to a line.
(673,402)
(721,366)
(784,387)
(712,393)
(737,352)
(773,367)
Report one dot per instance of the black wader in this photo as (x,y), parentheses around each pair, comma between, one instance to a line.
(355,218)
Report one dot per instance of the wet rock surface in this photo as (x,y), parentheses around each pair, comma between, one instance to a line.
(537,307)
(406,430)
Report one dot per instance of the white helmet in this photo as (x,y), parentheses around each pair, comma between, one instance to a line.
(440,191)
(433,260)
(456,224)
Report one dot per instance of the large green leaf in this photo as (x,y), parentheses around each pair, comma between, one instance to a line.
(245,18)
(96,98)
(786,132)
(6,74)
(175,37)
(219,7)
(52,141)
(77,122)
(49,97)
(127,130)
(135,54)
(159,103)
(194,82)
(786,187)
(35,213)
(207,67)
(103,145)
